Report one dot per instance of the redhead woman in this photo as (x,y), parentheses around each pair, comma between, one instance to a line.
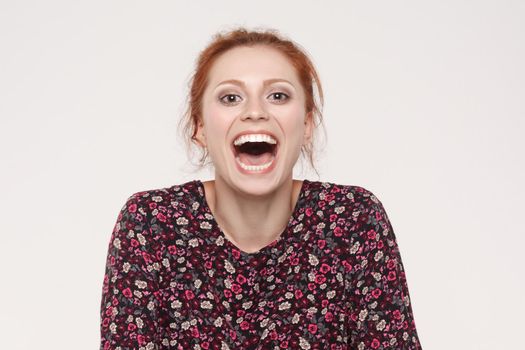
(255,259)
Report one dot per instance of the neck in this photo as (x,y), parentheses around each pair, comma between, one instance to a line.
(251,222)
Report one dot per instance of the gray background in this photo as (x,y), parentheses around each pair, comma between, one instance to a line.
(424,107)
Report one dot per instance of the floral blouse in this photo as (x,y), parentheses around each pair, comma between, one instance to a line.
(334,278)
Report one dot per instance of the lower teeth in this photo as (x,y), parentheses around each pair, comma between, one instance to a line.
(253,167)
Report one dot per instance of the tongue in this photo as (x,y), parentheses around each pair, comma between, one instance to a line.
(250,159)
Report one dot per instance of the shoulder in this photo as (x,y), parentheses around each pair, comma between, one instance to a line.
(349,195)
(156,197)
(157,204)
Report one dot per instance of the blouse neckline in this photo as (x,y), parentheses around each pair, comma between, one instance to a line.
(287,231)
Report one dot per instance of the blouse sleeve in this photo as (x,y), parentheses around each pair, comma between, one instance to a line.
(381,314)
(129,294)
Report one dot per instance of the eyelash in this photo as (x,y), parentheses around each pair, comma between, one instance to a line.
(281,93)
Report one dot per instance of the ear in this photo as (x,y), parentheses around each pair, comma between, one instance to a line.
(199,135)
(309,127)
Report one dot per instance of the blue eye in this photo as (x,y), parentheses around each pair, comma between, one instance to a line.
(228,101)
(281,94)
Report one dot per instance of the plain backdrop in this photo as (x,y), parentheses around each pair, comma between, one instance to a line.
(424,106)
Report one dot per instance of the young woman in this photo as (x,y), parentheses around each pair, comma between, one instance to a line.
(255,259)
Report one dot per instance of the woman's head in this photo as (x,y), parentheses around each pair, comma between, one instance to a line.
(218,110)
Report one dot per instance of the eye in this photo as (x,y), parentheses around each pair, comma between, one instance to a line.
(282,96)
(228,98)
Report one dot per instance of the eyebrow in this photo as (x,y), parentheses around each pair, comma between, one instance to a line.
(241,83)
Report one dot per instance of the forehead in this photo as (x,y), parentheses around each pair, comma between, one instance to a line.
(252,64)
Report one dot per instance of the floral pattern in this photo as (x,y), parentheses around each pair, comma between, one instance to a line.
(334,279)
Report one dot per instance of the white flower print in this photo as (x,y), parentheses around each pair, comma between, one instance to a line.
(205,225)
(182,221)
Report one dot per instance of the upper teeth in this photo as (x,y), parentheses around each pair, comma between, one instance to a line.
(254,138)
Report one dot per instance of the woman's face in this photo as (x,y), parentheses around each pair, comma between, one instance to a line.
(254,90)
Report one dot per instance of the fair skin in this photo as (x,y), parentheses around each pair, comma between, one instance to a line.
(252,209)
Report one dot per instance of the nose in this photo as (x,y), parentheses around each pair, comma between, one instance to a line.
(254,111)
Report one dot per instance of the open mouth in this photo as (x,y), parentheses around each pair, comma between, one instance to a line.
(255,156)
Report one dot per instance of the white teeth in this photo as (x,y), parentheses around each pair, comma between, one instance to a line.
(254,138)
(254,167)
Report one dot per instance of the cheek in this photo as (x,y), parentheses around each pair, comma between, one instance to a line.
(293,122)
(216,119)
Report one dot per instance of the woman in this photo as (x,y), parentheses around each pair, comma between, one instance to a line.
(255,259)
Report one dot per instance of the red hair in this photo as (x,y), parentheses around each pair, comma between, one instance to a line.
(222,42)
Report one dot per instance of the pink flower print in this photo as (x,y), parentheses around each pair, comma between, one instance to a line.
(172,249)
(195,332)
(241,279)
(391,264)
(376,293)
(321,243)
(391,276)
(131,327)
(134,243)
(320,278)
(245,325)
(141,339)
(372,234)
(298,294)
(127,293)
(161,217)
(338,232)
(312,328)
(329,317)
(375,344)
(333,217)
(347,266)
(146,257)
(132,208)
(109,311)
(236,253)
(189,294)
(325,268)
(236,288)
(309,211)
